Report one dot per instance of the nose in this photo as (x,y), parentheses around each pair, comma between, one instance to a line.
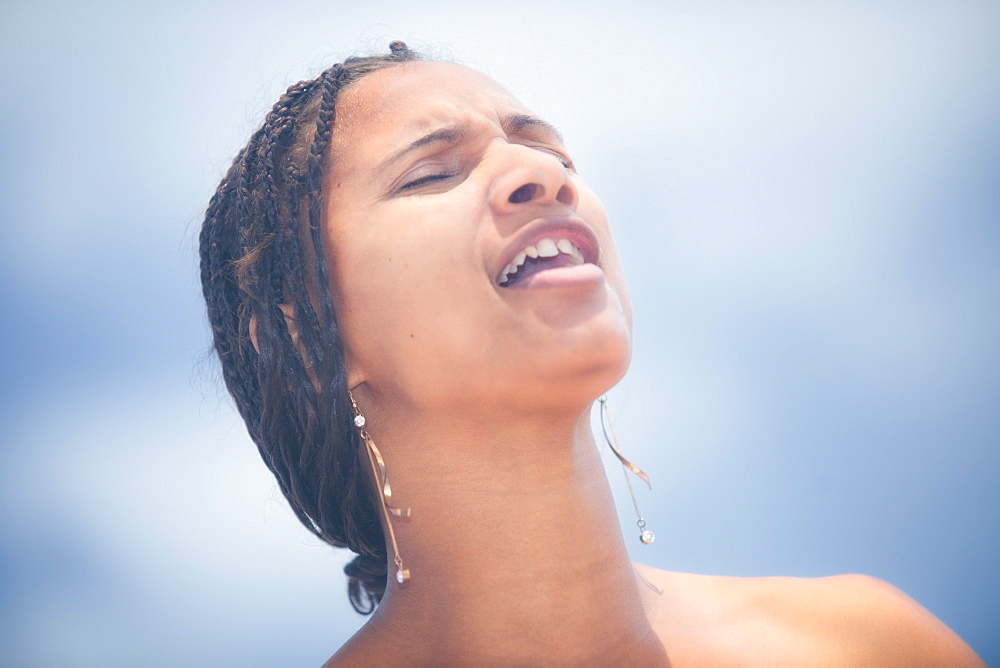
(531,176)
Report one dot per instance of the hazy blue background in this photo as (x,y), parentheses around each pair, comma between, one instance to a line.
(807,199)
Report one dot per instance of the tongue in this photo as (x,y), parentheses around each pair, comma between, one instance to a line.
(534,265)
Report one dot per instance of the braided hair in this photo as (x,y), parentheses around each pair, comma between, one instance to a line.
(261,250)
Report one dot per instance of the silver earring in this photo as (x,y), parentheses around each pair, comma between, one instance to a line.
(645,535)
(382,480)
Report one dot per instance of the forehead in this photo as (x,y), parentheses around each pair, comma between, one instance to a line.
(389,107)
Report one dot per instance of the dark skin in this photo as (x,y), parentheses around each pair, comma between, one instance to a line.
(478,395)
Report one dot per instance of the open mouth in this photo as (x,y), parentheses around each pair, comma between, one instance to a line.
(544,254)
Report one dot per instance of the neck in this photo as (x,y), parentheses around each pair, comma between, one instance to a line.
(514,546)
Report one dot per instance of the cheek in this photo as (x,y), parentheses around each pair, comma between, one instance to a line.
(397,282)
(593,212)
(370,283)
(616,279)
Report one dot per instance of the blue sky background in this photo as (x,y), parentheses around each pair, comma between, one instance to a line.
(807,201)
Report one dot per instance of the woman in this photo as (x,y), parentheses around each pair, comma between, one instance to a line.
(406,278)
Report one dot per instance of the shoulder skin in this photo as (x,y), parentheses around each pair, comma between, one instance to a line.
(839,620)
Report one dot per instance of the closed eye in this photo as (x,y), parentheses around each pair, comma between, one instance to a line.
(423,180)
(559,155)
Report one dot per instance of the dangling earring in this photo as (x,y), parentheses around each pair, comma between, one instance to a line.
(382,480)
(645,535)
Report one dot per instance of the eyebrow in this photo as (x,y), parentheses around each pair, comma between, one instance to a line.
(514,123)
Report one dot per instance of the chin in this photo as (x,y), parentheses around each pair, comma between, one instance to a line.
(608,369)
(587,366)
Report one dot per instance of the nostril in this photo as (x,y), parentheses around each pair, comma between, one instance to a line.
(566,195)
(525,193)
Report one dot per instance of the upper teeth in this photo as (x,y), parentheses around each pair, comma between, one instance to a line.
(546,247)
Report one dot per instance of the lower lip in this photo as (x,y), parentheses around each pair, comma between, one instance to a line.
(563,277)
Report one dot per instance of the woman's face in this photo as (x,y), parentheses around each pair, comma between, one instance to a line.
(471,267)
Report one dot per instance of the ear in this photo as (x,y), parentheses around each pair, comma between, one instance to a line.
(355,376)
(288,311)
(353,368)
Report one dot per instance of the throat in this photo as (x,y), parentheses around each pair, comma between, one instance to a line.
(518,565)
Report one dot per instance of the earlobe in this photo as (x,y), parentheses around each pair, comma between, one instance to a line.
(353,367)
(355,376)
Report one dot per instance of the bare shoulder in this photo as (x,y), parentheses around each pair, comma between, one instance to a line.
(877,621)
(844,619)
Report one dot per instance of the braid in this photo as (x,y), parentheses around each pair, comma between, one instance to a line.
(261,246)
(324,128)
